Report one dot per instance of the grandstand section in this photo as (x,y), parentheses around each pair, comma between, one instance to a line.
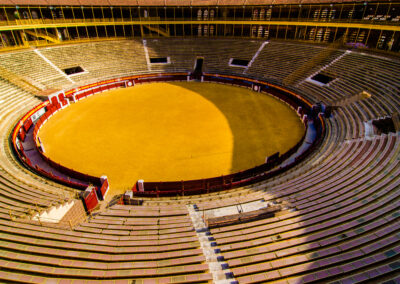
(325,212)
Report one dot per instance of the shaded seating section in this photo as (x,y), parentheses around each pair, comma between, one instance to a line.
(341,216)
(278,59)
(356,72)
(216,54)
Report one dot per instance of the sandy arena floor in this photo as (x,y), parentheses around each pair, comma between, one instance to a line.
(170,131)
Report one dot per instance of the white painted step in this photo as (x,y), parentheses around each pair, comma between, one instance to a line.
(55,214)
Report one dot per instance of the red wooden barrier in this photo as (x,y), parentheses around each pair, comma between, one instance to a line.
(89,198)
(103,189)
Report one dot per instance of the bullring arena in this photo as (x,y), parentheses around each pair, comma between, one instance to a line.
(170,132)
(218,142)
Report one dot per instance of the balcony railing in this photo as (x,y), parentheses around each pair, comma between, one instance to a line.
(25,22)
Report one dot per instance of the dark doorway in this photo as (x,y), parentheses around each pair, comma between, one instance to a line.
(198,69)
(199,65)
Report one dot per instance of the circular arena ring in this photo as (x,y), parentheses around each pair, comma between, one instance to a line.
(301,142)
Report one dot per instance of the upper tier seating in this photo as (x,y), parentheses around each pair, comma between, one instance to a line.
(99,59)
(340,207)
(216,54)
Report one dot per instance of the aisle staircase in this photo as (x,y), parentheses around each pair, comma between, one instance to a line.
(218,268)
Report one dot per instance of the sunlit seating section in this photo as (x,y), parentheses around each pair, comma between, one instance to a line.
(125,242)
(20,193)
(99,60)
(33,68)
